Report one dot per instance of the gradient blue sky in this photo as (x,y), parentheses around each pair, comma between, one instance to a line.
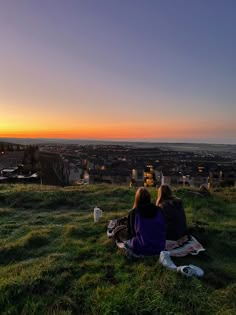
(119,69)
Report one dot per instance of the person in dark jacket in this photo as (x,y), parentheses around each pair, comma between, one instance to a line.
(146,226)
(176,225)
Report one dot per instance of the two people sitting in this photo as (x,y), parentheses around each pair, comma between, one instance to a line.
(150,225)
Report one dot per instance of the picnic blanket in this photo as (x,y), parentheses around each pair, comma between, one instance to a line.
(117,229)
(184,246)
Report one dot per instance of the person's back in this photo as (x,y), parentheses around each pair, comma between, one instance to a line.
(149,229)
(176,226)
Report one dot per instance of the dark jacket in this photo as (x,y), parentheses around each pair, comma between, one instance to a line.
(175,217)
(146,229)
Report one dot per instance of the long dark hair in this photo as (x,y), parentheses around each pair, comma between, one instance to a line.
(142,197)
(164,193)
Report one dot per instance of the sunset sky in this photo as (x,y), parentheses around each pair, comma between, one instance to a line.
(152,70)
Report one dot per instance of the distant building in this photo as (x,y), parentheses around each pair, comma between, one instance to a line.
(166,180)
(11,159)
(198,180)
(119,177)
(75,175)
(223,177)
(137,176)
(169,177)
(86,177)
(149,176)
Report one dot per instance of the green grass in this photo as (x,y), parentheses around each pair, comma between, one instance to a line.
(55,260)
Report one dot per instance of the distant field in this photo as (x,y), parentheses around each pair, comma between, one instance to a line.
(55,260)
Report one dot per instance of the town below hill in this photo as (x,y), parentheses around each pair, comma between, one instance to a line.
(133,164)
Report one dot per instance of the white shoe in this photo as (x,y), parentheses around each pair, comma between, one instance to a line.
(191,270)
(166,261)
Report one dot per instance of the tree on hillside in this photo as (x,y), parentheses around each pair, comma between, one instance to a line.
(31,158)
(54,171)
(9,147)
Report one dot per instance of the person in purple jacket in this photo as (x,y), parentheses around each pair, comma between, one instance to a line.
(146,226)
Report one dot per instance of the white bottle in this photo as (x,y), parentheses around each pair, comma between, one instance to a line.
(97,213)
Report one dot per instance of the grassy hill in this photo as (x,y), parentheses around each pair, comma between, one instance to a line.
(55,260)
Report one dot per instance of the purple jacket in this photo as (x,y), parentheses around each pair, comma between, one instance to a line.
(149,233)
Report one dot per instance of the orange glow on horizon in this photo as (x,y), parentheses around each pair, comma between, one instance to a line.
(103,133)
(92,128)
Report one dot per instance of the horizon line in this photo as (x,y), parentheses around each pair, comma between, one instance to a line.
(142,140)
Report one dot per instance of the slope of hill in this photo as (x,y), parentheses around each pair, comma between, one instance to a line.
(55,260)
